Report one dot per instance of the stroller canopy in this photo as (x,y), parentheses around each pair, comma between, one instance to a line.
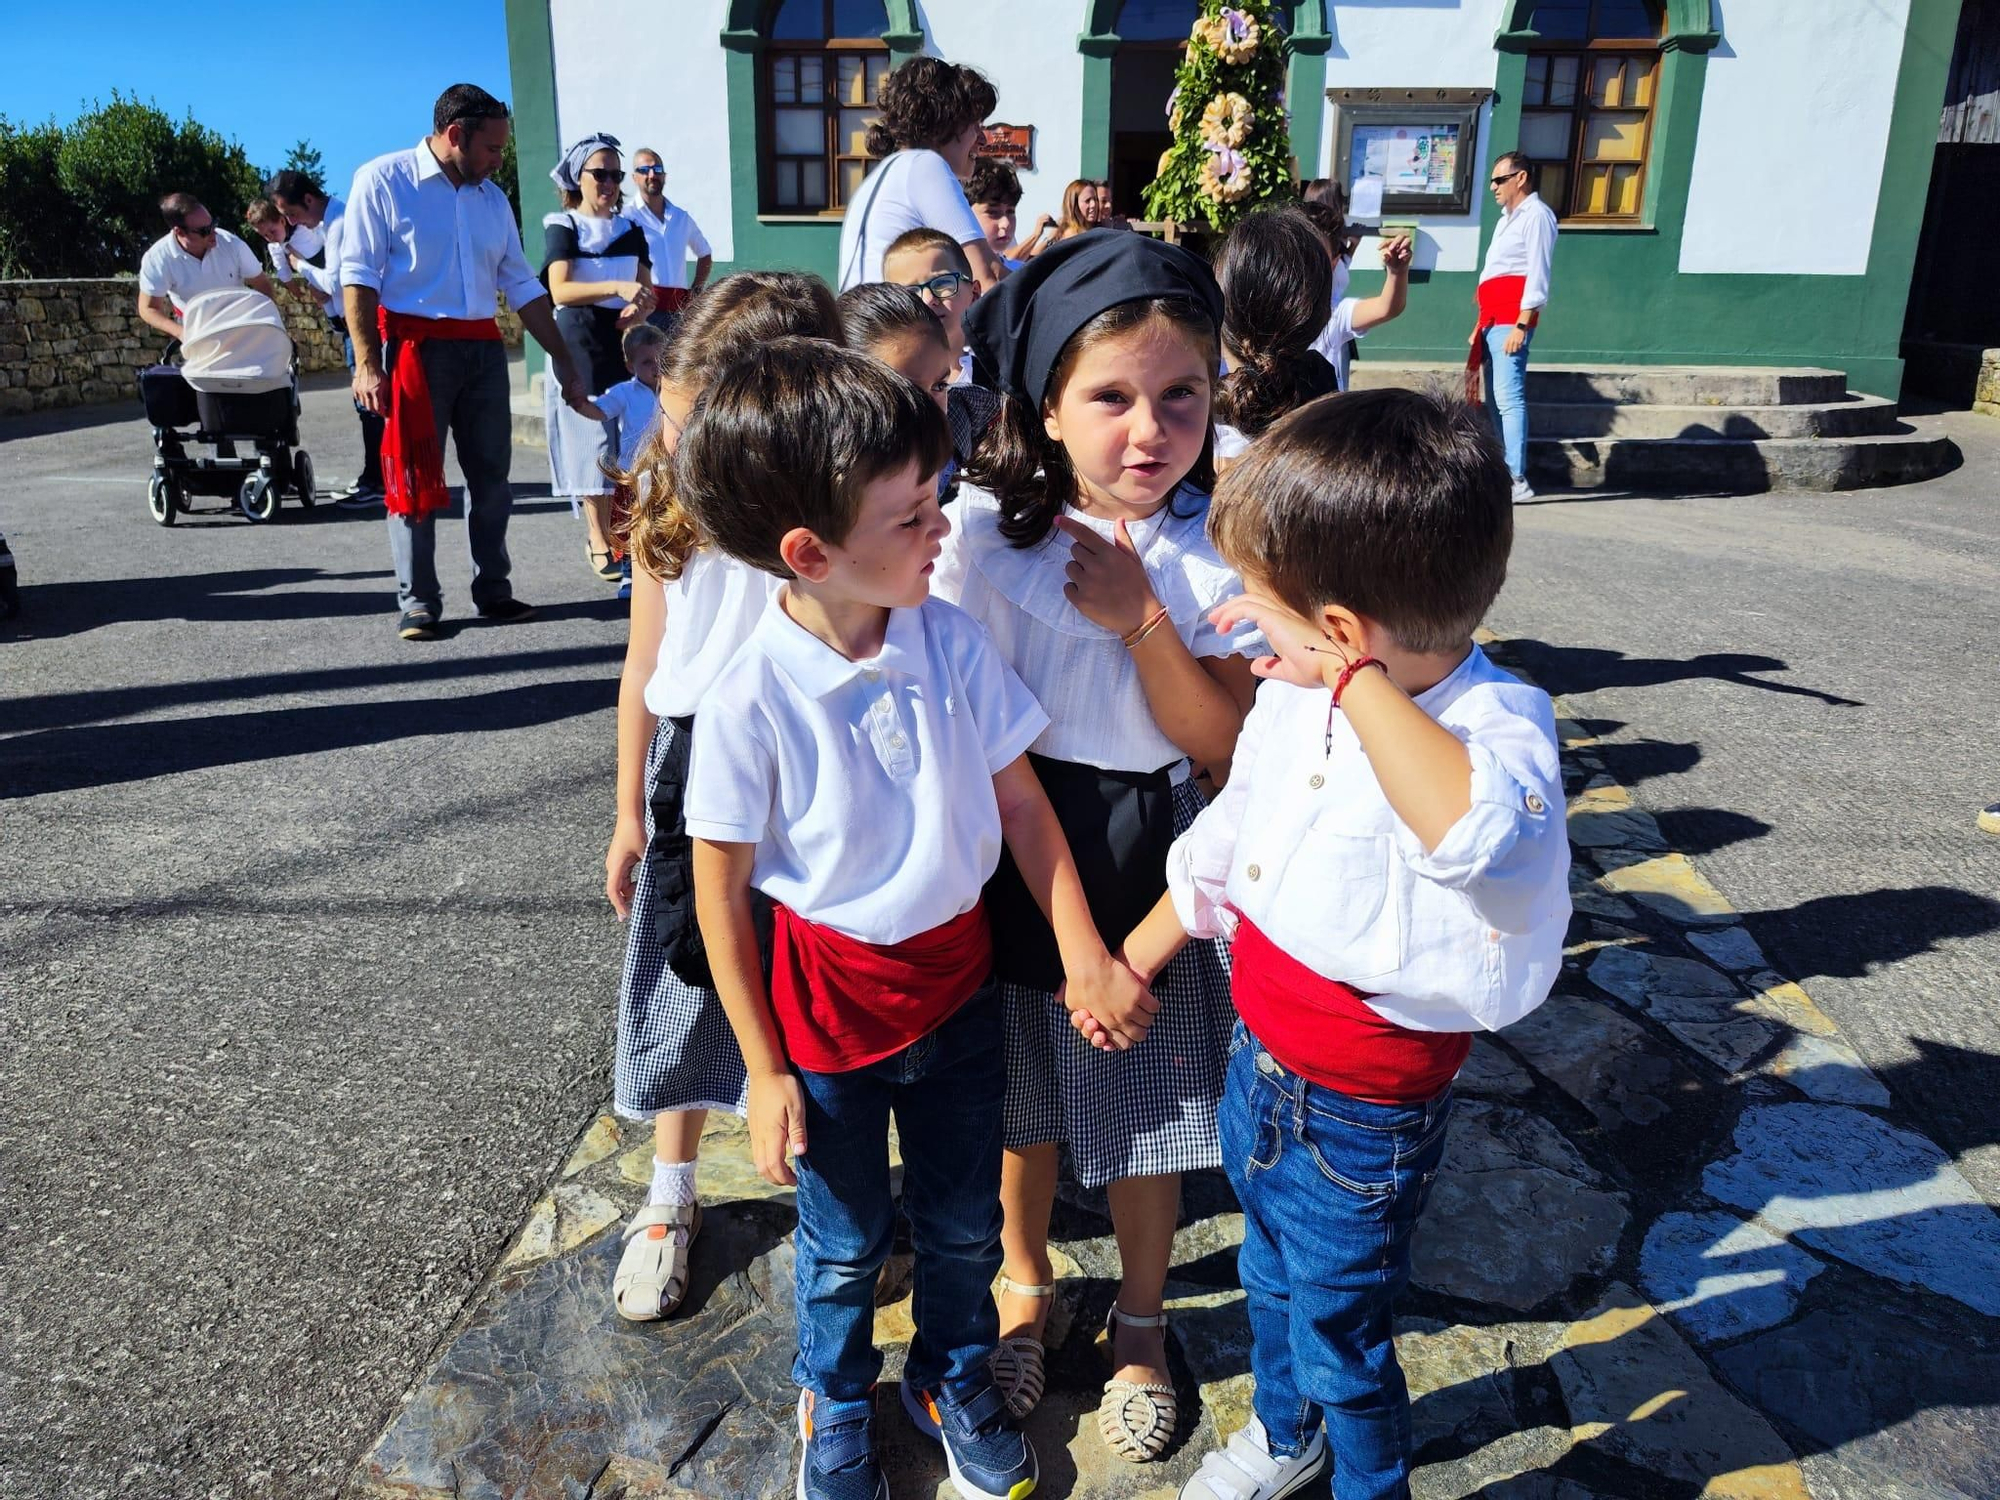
(233,342)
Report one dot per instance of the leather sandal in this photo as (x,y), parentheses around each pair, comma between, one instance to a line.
(604,564)
(1018,1364)
(1136,1418)
(652,1274)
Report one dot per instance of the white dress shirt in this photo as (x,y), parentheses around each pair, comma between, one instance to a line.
(1079,671)
(867,786)
(326,278)
(1304,844)
(674,236)
(1524,245)
(632,404)
(429,249)
(712,609)
(167,270)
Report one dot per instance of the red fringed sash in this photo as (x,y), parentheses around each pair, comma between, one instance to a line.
(1499,300)
(412,456)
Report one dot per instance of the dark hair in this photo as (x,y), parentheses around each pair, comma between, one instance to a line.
(789,435)
(993,181)
(465,104)
(1277,295)
(730,315)
(1394,504)
(1028,471)
(879,310)
(175,208)
(1324,190)
(293,186)
(1520,162)
(923,237)
(926,102)
(1331,224)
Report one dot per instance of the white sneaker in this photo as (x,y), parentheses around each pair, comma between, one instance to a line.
(1523,491)
(1245,1469)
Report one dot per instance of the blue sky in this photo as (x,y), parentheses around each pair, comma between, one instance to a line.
(356,77)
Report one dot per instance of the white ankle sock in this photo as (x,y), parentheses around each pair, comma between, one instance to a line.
(673,1182)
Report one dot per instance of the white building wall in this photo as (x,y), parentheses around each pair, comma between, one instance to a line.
(651,76)
(1794,132)
(1417,44)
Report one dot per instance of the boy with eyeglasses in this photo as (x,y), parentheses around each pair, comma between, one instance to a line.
(931,262)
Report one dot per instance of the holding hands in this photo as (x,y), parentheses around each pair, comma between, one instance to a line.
(1110,1006)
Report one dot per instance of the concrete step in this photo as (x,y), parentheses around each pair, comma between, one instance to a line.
(1633,385)
(1855,416)
(1742,466)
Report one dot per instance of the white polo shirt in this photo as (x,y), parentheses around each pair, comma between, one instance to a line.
(867,786)
(674,236)
(167,270)
(1303,843)
(429,249)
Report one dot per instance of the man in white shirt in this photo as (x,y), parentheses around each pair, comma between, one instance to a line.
(192,257)
(671,236)
(307,209)
(426,244)
(1513,290)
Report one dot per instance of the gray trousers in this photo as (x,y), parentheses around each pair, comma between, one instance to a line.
(468,379)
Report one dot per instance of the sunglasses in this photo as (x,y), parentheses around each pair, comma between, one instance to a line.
(604,174)
(206,231)
(943,286)
(1505,177)
(649,171)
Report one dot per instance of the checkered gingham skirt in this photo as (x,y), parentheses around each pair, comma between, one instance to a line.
(675,1048)
(1135,1113)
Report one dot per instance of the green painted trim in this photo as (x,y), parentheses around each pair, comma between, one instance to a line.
(1690,27)
(531,72)
(1305,82)
(1094,154)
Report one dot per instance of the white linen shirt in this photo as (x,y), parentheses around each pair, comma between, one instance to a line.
(909,190)
(867,786)
(1332,343)
(673,235)
(1304,844)
(167,270)
(326,278)
(429,249)
(632,404)
(712,609)
(1524,245)
(1079,671)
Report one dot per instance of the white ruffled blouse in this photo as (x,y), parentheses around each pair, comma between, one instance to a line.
(1081,672)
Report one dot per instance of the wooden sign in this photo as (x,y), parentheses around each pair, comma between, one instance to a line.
(1013,144)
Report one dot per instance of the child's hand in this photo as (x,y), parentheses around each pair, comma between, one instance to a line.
(777,1126)
(1302,648)
(628,847)
(1396,253)
(1107,582)
(1116,1002)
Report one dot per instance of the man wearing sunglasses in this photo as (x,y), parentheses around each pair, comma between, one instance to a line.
(673,235)
(192,257)
(1513,292)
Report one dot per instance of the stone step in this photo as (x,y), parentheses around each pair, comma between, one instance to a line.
(1742,466)
(1633,385)
(1855,416)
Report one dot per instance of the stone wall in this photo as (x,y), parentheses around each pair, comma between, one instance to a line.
(71,343)
(1986,398)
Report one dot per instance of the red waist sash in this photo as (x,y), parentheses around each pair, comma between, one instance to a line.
(1499,301)
(1327,1032)
(412,456)
(841,1004)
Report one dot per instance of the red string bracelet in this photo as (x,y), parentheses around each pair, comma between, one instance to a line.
(1347,675)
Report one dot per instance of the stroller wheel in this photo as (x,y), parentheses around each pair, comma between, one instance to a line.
(258,499)
(302,477)
(162,500)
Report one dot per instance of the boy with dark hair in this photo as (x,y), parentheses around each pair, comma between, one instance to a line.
(995,194)
(1391,861)
(932,262)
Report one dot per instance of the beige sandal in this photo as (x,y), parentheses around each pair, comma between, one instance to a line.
(1138,1419)
(652,1274)
(1018,1363)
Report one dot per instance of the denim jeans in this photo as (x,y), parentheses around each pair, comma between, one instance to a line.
(469,399)
(1507,395)
(1331,1188)
(945,1090)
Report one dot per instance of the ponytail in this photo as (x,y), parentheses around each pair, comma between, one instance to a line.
(1277,292)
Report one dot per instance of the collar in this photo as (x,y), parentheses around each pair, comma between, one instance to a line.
(818,670)
(1516,209)
(1439,695)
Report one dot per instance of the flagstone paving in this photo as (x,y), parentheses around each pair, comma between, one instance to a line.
(1674,1251)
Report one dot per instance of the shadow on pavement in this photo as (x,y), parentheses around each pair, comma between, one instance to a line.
(239,596)
(1848,936)
(1585,669)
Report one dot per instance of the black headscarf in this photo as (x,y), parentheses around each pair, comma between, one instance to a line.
(1017,330)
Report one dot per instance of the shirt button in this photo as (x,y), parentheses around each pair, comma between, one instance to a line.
(897,742)
(869,674)
(1255,872)
(1316,781)
(1535,804)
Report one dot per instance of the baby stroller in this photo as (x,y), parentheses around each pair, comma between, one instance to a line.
(237,381)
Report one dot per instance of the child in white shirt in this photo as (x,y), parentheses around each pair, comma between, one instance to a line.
(1390,859)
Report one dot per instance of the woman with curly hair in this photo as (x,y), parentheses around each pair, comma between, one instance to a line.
(930,127)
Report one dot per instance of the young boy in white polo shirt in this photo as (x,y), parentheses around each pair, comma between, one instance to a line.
(860,761)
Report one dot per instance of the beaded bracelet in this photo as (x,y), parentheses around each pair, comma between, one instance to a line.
(1152,623)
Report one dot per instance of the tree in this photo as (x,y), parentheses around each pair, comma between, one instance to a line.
(38,221)
(304,157)
(508,175)
(1232,140)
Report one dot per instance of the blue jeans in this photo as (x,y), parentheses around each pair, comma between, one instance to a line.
(1331,1188)
(1507,395)
(945,1090)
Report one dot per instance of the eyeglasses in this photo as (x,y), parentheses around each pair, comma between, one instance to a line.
(649,171)
(943,286)
(205,231)
(605,175)
(1507,176)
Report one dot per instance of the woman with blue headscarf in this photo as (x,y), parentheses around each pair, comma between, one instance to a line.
(599,276)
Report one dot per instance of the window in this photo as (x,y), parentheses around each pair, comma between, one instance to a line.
(1587,105)
(823,71)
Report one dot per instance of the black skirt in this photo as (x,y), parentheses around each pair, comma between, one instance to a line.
(593,339)
(670,856)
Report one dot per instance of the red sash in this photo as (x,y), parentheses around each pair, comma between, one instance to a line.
(670,299)
(1327,1032)
(412,456)
(841,1004)
(1499,301)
